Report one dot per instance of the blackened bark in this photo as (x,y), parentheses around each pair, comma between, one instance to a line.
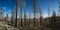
(54,16)
(16,13)
(21,12)
(34,3)
(41,18)
(12,17)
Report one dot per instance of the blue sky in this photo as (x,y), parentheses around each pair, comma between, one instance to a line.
(7,5)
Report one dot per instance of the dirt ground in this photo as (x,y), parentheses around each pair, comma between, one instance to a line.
(5,26)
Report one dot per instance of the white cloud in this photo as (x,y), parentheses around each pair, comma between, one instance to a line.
(31,15)
(4,8)
(45,15)
(38,15)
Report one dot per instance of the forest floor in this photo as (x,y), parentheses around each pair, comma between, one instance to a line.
(4,26)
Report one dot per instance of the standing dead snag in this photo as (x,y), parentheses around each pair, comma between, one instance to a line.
(1,14)
(29,17)
(48,15)
(54,16)
(16,13)
(7,17)
(53,20)
(24,14)
(12,17)
(24,19)
(41,18)
(21,12)
(59,8)
(34,4)
(48,12)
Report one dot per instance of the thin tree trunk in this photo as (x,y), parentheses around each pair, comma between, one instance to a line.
(34,3)
(12,17)
(54,17)
(21,12)
(7,17)
(41,18)
(49,16)
(25,19)
(59,8)
(16,13)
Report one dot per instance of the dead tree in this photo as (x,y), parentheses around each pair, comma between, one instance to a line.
(25,16)
(29,16)
(12,17)
(7,17)
(54,16)
(1,13)
(21,2)
(48,12)
(25,19)
(16,13)
(49,16)
(59,8)
(4,18)
(41,18)
(34,4)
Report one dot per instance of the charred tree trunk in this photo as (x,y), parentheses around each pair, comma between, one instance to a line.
(25,19)
(41,18)
(16,13)
(59,8)
(49,16)
(21,12)
(12,17)
(24,14)
(54,17)
(6,18)
(1,12)
(34,3)
(29,17)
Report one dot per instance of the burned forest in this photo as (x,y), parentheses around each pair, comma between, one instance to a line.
(29,14)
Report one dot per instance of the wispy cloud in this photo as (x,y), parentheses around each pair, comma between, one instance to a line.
(31,15)
(4,8)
